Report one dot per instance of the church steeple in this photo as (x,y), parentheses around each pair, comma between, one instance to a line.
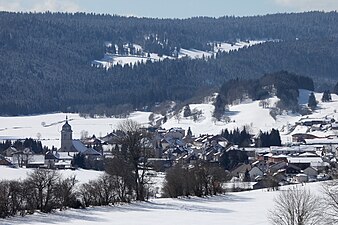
(66,137)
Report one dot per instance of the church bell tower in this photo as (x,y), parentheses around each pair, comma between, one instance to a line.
(66,137)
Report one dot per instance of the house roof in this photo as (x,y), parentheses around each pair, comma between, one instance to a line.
(321,141)
(305,160)
(81,148)
(241,169)
(51,156)
(308,154)
(66,155)
(36,159)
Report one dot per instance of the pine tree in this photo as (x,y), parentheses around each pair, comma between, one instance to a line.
(189,133)
(165,119)
(312,102)
(187,111)
(219,107)
(275,139)
(326,96)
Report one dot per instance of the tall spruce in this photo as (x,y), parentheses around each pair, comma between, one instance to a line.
(312,102)
(187,111)
(326,96)
(219,107)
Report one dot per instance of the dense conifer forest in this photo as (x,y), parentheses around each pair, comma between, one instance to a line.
(45,58)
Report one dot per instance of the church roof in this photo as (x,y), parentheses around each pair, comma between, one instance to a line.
(81,148)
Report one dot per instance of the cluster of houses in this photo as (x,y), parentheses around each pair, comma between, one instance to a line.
(54,159)
(309,160)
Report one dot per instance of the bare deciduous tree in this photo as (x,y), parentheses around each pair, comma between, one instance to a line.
(65,193)
(121,174)
(43,183)
(135,149)
(296,207)
(331,201)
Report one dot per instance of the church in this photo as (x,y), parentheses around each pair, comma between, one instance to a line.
(68,144)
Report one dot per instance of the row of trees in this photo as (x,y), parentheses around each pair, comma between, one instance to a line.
(125,180)
(267,139)
(312,101)
(241,138)
(282,84)
(64,81)
(43,190)
(34,145)
(200,180)
(298,206)
(244,139)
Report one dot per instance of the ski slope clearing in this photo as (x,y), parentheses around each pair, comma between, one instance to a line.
(244,208)
(227,47)
(111,60)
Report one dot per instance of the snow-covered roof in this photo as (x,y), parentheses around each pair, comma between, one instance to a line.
(279,156)
(36,159)
(81,148)
(305,160)
(308,154)
(66,155)
(323,141)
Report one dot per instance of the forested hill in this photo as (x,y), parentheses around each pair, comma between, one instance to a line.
(45,58)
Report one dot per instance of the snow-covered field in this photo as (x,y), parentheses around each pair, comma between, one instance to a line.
(110,60)
(255,118)
(82,176)
(244,208)
(250,114)
(47,127)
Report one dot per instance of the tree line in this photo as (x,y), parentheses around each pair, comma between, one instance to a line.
(34,145)
(45,60)
(283,84)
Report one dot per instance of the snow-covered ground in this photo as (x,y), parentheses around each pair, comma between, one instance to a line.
(110,60)
(248,208)
(47,127)
(250,114)
(255,118)
(244,208)
(227,47)
(82,176)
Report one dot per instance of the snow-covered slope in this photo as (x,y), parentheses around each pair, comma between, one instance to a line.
(245,208)
(250,114)
(227,47)
(47,127)
(110,60)
(255,118)
(82,176)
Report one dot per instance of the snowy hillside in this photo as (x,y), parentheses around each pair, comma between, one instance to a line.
(110,60)
(244,208)
(250,114)
(47,127)
(82,176)
(255,118)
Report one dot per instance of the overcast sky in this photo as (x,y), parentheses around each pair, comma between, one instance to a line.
(171,8)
